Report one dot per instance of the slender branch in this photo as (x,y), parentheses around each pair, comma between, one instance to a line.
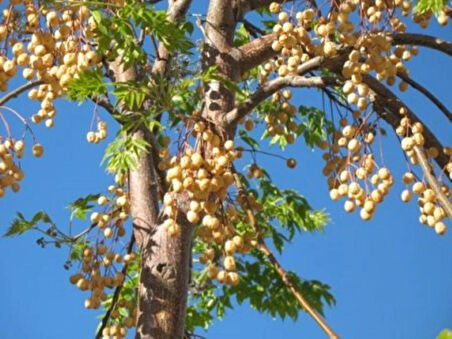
(388,105)
(105,103)
(427,93)
(272,87)
(19,90)
(259,50)
(422,40)
(5,124)
(303,302)
(282,273)
(256,52)
(82,233)
(116,294)
(176,11)
(426,168)
(16,114)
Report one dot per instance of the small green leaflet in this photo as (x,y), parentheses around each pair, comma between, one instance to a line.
(123,153)
(89,84)
(80,207)
(435,6)
(244,135)
(77,249)
(445,334)
(241,36)
(314,126)
(21,225)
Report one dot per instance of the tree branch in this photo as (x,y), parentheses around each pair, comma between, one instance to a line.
(427,93)
(105,104)
(426,168)
(422,40)
(256,52)
(282,273)
(252,29)
(272,87)
(260,50)
(388,105)
(19,90)
(176,11)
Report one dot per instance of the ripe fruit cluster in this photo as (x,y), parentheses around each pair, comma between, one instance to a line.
(354,175)
(99,135)
(283,123)
(46,45)
(10,173)
(352,170)
(204,174)
(293,43)
(432,213)
(224,242)
(370,51)
(122,318)
(103,263)
(53,54)
(117,210)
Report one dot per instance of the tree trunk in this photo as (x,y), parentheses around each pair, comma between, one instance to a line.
(163,287)
(165,266)
(165,260)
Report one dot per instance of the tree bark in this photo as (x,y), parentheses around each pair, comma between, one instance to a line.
(165,270)
(165,260)
(218,51)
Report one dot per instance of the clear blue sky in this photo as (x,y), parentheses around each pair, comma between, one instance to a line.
(391,276)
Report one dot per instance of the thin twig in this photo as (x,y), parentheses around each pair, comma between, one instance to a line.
(427,93)
(274,86)
(105,104)
(426,168)
(283,274)
(5,123)
(266,153)
(18,91)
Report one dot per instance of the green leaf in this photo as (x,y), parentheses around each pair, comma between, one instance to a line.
(211,74)
(123,153)
(80,207)
(445,334)
(242,36)
(88,84)
(434,6)
(20,225)
(315,126)
(77,249)
(244,135)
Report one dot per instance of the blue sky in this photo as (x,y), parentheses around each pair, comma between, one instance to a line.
(391,276)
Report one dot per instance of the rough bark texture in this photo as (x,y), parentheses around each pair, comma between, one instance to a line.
(164,277)
(218,51)
(165,270)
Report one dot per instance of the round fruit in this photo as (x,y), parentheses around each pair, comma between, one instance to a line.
(291,163)
(37,150)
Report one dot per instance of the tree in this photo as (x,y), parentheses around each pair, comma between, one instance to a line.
(198,225)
